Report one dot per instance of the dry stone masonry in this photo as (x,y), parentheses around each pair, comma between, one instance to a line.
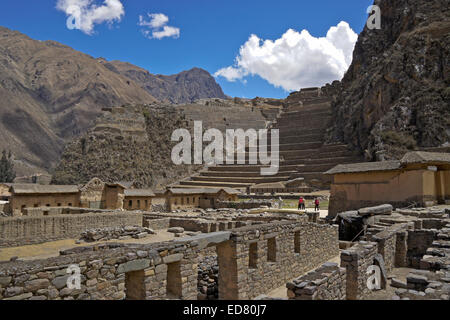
(325,283)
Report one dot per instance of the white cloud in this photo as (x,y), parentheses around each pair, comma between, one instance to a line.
(296,60)
(157,27)
(85,14)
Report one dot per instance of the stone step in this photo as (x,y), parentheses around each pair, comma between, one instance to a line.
(290,146)
(312,104)
(325,149)
(200,184)
(332,161)
(308,176)
(294,131)
(248,180)
(300,146)
(304,115)
(250,168)
(316,167)
(301,138)
(303,123)
(240,173)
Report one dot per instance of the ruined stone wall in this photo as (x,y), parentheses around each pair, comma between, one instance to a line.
(243,205)
(387,241)
(356,261)
(158,271)
(325,283)
(169,270)
(157,224)
(263,257)
(418,243)
(16,231)
(206,226)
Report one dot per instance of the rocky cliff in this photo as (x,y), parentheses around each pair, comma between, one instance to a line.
(396,95)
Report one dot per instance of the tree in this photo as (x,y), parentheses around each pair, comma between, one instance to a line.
(7,173)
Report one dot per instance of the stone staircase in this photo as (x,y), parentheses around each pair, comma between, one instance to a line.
(303,153)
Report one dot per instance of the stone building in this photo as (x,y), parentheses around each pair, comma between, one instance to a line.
(138,199)
(181,199)
(4,191)
(97,194)
(34,195)
(422,178)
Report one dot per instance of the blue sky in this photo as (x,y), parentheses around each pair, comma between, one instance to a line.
(210,35)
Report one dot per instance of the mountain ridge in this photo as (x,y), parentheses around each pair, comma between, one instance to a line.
(51,93)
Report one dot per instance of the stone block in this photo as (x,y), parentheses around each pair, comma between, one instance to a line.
(133,265)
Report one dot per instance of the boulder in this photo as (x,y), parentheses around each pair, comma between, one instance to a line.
(384,209)
(175,230)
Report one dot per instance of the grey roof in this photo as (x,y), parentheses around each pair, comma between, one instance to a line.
(426,157)
(42,189)
(365,166)
(127,184)
(202,190)
(139,193)
(269,185)
(409,158)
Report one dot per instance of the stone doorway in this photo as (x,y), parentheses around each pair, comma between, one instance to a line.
(134,285)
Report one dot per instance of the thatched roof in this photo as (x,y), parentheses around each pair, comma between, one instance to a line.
(139,193)
(365,167)
(426,157)
(42,189)
(420,157)
(269,185)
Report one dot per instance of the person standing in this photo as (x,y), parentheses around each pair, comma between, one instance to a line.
(301,204)
(316,204)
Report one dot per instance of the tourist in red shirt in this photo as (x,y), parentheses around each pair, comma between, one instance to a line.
(301,204)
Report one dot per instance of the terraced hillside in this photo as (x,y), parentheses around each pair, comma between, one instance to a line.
(303,154)
(133,143)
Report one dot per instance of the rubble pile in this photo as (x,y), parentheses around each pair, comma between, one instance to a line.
(118,233)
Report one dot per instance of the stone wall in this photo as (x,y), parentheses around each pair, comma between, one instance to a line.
(252,261)
(356,261)
(159,271)
(243,205)
(418,243)
(386,241)
(264,257)
(16,231)
(157,224)
(206,226)
(325,283)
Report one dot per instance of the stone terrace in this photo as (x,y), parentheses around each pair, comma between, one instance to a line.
(303,154)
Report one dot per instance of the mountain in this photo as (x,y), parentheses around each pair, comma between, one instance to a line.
(396,94)
(184,87)
(51,93)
